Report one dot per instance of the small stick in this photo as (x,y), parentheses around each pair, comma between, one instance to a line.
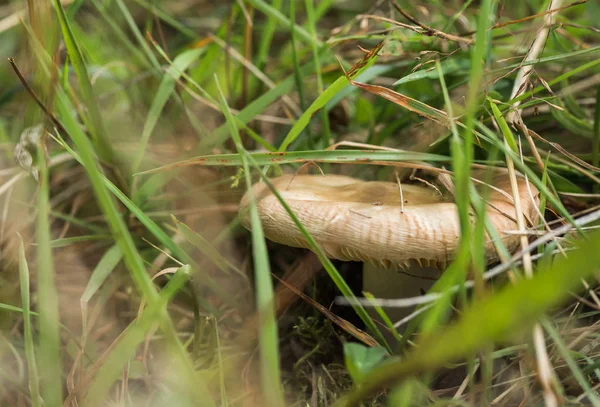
(400,189)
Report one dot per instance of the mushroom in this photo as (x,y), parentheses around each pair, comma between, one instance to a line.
(355,220)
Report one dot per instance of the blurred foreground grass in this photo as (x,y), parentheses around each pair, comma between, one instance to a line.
(126,277)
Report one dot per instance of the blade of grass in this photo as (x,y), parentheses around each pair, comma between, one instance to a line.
(49,324)
(120,35)
(32,373)
(276,15)
(566,355)
(312,27)
(268,341)
(295,59)
(208,96)
(327,94)
(105,266)
(331,156)
(126,345)
(462,150)
(76,57)
(596,136)
(173,22)
(137,34)
(68,241)
(266,35)
(206,248)
(164,92)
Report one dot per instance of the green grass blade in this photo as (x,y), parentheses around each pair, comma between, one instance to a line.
(295,59)
(89,98)
(312,24)
(34,380)
(510,139)
(326,95)
(324,156)
(137,34)
(105,266)
(49,324)
(266,36)
(68,241)
(596,136)
(207,249)
(254,108)
(276,15)
(173,22)
(120,34)
(462,150)
(164,92)
(132,337)
(265,299)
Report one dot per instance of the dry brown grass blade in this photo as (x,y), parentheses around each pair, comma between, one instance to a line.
(564,152)
(534,16)
(308,267)
(407,102)
(538,15)
(543,364)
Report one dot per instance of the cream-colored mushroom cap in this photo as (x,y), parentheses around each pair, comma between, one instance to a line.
(365,221)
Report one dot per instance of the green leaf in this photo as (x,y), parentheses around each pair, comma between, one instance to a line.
(361,359)
(449,67)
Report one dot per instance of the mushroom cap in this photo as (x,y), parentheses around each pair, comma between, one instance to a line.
(355,220)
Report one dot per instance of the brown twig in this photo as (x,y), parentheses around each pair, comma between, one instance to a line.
(534,16)
(430,31)
(36,98)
